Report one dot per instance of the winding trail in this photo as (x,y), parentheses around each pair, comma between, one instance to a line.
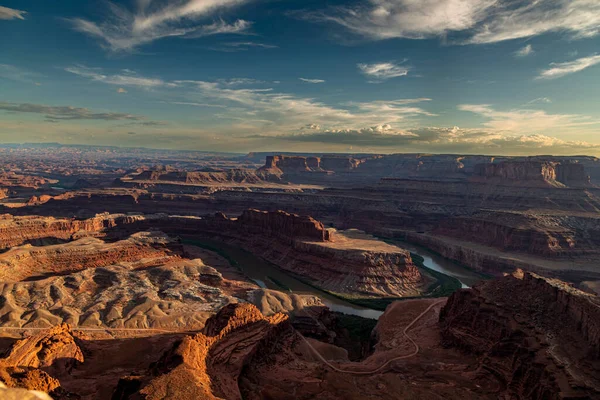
(388,362)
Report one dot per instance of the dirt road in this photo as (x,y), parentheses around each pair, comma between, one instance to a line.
(388,362)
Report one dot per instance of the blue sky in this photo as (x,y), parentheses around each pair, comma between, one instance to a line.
(459,76)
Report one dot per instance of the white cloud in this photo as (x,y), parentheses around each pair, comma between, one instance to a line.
(125,30)
(17,74)
(121,90)
(240,81)
(524,51)
(382,71)
(260,112)
(482,21)
(232,47)
(442,139)
(385,19)
(527,120)
(264,110)
(126,78)
(540,100)
(193,104)
(579,18)
(10,13)
(250,44)
(221,27)
(312,80)
(558,70)
(63,113)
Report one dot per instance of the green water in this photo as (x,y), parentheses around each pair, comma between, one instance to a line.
(269,276)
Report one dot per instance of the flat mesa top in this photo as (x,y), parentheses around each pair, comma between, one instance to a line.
(354,239)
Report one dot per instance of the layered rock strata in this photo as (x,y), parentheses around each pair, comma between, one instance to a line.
(30,262)
(33,229)
(533,173)
(332,261)
(540,336)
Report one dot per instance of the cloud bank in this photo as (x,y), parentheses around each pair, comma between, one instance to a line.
(10,13)
(152,20)
(558,70)
(472,21)
(60,113)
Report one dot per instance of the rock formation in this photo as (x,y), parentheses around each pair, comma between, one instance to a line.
(293,165)
(332,261)
(21,394)
(236,175)
(174,294)
(540,336)
(533,173)
(33,363)
(281,224)
(207,365)
(30,262)
(33,229)
(482,344)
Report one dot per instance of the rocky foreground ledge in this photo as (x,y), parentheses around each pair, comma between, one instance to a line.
(517,337)
(540,336)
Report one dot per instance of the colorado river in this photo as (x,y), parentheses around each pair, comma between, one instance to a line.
(269,276)
(438,263)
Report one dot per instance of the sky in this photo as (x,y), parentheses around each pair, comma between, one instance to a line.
(382,76)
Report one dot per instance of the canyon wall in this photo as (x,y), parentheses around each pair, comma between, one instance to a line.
(234,175)
(533,173)
(283,225)
(540,335)
(34,229)
(303,247)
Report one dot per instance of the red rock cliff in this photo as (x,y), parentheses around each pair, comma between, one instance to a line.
(533,172)
(207,365)
(541,336)
(281,223)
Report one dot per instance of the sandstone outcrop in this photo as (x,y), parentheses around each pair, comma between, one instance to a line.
(21,394)
(207,365)
(30,262)
(310,166)
(34,229)
(174,294)
(286,164)
(335,262)
(33,363)
(533,173)
(540,336)
(55,350)
(281,224)
(236,175)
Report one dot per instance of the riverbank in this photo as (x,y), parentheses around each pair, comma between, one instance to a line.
(269,275)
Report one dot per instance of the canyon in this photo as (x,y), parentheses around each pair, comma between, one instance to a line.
(161,274)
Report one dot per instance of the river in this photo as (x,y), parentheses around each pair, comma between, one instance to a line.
(269,276)
(438,263)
